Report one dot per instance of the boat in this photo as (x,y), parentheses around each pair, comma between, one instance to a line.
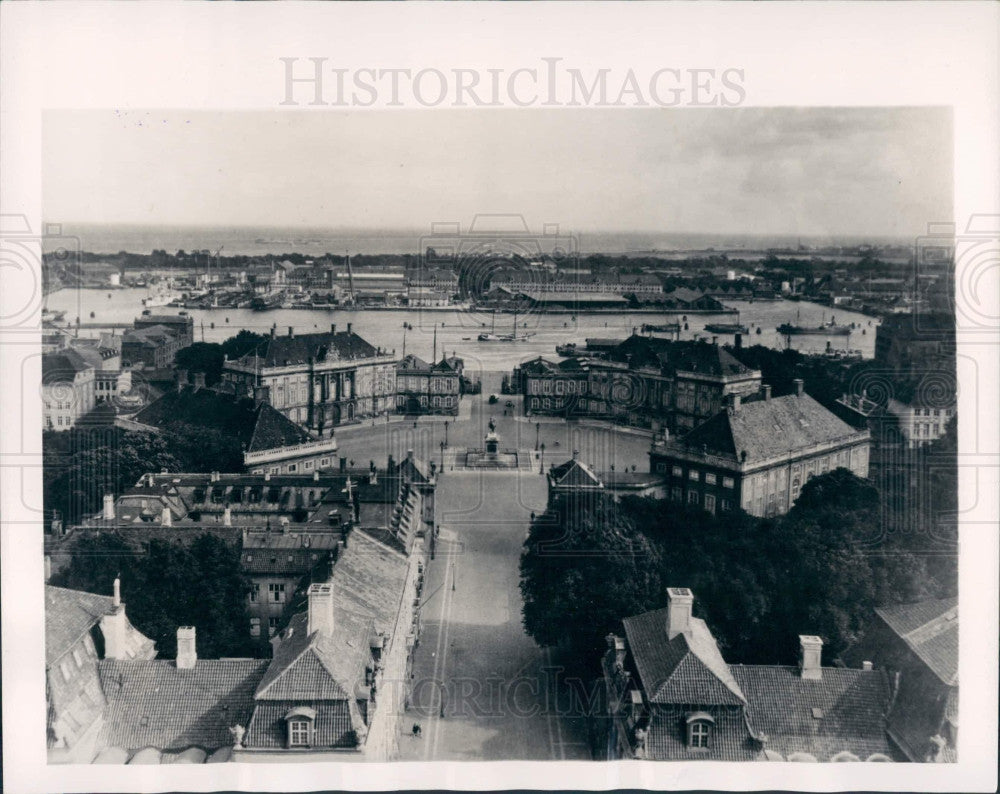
(511,337)
(488,338)
(163,299)
(570,349)
(263,303)
(823,329)
(727,328)
(52,317)
(665,328)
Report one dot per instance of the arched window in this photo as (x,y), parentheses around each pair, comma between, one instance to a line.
(699,727)
(300,722)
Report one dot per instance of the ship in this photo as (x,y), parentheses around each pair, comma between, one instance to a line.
(264,302)
(666,328)
(569,349)
(162,299)
(824,329)
(511,337)
(727,328)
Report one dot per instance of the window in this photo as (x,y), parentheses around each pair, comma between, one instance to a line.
(276,593)
(293,467)
(254,627)
(324,462)
(308,464)
(710,478)
(274,469)
(724,505)
(693,475)
(699,732)
(254,588)
(710,503)
(660,467)
(272,626)
(692,497)
(727,482)
(677,471)
(676,494)
(298,733)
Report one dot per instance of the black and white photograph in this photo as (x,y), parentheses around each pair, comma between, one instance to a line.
(545,414)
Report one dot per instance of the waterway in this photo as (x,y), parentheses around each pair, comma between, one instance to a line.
(456,331)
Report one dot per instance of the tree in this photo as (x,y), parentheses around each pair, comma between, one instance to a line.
(244,342)
(204,357)
(170,584)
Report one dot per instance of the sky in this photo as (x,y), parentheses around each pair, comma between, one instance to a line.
(880,172)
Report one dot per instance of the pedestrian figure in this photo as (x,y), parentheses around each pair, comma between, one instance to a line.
(416,730)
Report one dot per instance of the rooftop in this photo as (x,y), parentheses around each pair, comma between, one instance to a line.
(70,614)
(155,704)
(930,629)
(278,351)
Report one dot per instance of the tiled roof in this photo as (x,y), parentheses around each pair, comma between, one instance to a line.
(412,363)
(331,727)
(258,427)
(368,580)
(153,704)
(689,669)
(277,351)
(69,614)
(731,739)
(764,428)
(263,553)
(699,357)
(844,710)
(62,364)
(930,629)
(574,473)
(920,708)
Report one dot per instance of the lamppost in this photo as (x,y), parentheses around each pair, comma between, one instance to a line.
(538,428)
(541,464)
(442,456)
(446,432)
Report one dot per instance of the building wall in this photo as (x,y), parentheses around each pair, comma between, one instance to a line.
(65,402)
(76,701)
(717,484)
(920,426)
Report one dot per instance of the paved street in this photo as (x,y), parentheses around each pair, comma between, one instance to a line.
(597,444)
(498,691)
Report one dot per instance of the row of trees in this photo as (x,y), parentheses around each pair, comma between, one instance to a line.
(82,464)
(820,569)
(169,584)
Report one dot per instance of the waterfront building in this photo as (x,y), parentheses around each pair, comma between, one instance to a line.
(181,325)
(431,287)
(757,454)
(647,382)
(423,388)
(919,421)
(80,629)
(68,388)
(671,696)
(542,282)
(319,380)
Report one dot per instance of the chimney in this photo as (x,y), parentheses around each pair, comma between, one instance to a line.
(799,386)
(343,464)
(320,609)
(109,507)
(284,525)
(737,403)
(680,600)
(767,392)
(114,626)
(810,662)
(291,332)
(199,380)
(409,455)
(267,476)
(866,665)
(227,517)
(272,331)
(187,652)
(739,342)
(166,519)
(315,475)
(619,648)
(349,327)
(715,340)
(333,328)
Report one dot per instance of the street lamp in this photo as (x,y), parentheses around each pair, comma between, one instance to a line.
(541,464)
(442,456)
(446,432)
(538,428)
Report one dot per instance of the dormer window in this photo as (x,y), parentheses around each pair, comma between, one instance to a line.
(699,730)
(300,723)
